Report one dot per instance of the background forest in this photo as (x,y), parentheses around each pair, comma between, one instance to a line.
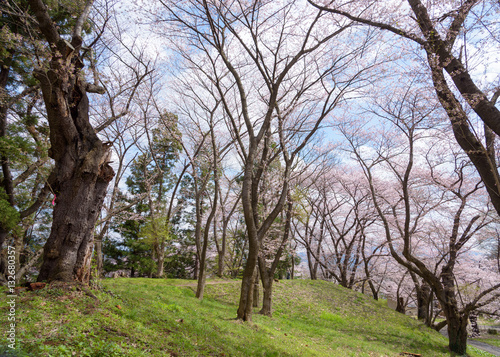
(354,142)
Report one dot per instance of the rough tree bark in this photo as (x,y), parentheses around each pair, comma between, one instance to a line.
(473,324)
(82,171)
(256,289)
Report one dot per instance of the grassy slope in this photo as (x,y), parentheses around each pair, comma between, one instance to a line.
(146,317)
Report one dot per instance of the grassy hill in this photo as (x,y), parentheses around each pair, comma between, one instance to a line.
(153,317)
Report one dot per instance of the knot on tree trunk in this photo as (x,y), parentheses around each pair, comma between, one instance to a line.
(106,173)
(96,162)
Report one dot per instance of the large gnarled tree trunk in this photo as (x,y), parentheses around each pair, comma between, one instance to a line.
(82,170)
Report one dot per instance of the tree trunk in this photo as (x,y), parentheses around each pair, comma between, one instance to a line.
(196,264)
(429,308)
(202,277)
(161,262)
(312,267)
(203,259)
(267,287)
(268,274)
(423,294)
(473,324)
(203,263)
(423,291)
(83,177)
(98,257)
(222,252)
(82,171)
(246,295)
(373,289)
(457,331)
(456,321)
(400,307)
(198,228)
(256,289)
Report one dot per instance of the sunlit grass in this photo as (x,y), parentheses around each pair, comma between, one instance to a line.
(156,317)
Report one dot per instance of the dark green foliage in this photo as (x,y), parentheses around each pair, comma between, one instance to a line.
(145,229)
(9,216)
(128,251)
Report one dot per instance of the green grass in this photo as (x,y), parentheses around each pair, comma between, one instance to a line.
(153,317)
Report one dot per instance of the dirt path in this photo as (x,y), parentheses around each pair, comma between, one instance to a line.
(495,351)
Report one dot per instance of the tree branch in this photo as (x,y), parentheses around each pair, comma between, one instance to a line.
(380,25)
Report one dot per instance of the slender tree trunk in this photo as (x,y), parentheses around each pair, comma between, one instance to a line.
(318,249)
(429,298)
(202,277)
(256,289)
(161,262)
(196,265)
(246,295)
(222,252)
(203,264)
(268,274)
(400,307)
(373,289)
(198,228)
(312,267)
(267,287)
(268,299)
(99,257)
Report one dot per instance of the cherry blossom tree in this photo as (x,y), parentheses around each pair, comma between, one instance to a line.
(457,38)
(275,90)
(430,212)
